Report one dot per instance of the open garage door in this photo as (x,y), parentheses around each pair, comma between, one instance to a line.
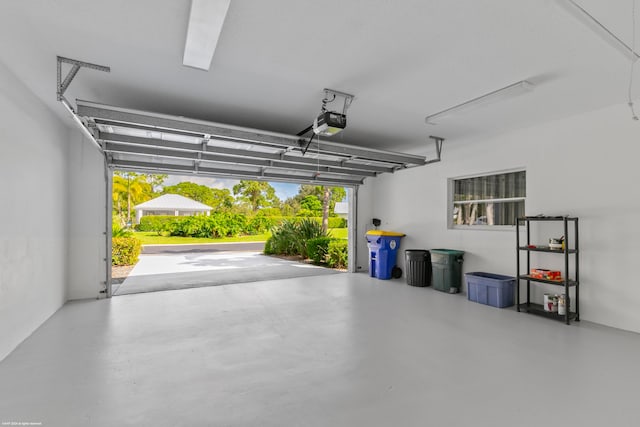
(147,142)
(138,140)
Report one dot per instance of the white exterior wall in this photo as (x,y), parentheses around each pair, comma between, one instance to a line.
(87,210)
(33,215)
(598,152)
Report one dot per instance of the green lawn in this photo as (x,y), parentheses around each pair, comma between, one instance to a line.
(339,233)
(152,238)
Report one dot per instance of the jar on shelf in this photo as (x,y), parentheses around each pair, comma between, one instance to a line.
(562,304)
(545,302)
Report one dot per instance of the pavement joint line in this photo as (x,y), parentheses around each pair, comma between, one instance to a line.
(199,244)
(246,251)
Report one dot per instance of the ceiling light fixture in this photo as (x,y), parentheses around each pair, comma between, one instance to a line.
(205,25)
(597,27)
(513,89)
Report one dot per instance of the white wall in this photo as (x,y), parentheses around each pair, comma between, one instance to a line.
(87,209)
(584,166)
(33,212)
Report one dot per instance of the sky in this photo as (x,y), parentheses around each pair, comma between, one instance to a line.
(283,190)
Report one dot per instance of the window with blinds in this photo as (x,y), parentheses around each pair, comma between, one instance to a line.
(487,200)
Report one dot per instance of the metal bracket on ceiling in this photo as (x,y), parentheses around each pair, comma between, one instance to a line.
(63,85)
(347,99)
(438,142)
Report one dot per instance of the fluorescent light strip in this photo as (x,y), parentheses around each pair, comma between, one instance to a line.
(505,92)
(205,25)
(587,19)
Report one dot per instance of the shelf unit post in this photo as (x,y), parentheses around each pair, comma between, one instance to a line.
(528,261)
(518,264)
(566,270)
(575,222)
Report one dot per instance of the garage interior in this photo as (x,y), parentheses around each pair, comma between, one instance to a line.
(441,91)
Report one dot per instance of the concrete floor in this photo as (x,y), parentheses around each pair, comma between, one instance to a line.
(181,270)
(341,350)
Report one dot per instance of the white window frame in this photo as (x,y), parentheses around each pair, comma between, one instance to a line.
(450,202)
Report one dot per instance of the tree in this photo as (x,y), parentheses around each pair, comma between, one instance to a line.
(326,196)
(156,181)
(130,188)
(290,206)
(337,194)
(258,194)
(311,202)
(218,199)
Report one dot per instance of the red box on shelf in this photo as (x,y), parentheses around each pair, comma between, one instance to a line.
(541,273)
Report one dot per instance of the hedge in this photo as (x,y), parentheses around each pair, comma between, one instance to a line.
(223,224)
(125,250)
(334,221)
(155,223)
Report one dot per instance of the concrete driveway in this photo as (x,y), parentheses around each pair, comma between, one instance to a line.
(179,267)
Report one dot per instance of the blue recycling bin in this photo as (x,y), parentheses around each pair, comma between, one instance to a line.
(383,248)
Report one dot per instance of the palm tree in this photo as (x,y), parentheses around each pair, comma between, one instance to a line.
(131,185)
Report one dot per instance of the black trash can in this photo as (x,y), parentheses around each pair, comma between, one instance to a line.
(418,267)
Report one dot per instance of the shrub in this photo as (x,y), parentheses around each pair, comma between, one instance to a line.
(285,239)
(269,212)
(334,221)
(337,255)
(306,213)
(155,223)
(125,250)
(291,236)
(268,247)
(308,229)
(259,224)
(318,248)
(225,224)
(220,224)
(118,231)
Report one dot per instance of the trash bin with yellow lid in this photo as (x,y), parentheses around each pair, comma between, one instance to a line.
(383,248)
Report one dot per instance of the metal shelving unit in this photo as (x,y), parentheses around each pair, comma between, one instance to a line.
(570,255)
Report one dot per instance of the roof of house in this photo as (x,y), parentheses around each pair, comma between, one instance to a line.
(173,202)
(341,208)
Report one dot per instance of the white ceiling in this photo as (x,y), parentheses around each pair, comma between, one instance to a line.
(402,59)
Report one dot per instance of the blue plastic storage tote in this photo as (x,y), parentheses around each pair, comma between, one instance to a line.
(491,289)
